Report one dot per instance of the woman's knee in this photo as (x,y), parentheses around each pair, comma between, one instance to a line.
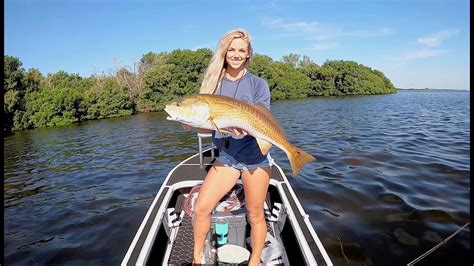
(202,209)
(255,215)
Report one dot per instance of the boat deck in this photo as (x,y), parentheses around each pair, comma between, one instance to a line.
(190,170)
(177,247)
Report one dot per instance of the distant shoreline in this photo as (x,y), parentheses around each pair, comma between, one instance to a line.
(422,89)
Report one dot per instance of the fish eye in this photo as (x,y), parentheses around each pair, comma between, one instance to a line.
(178,104)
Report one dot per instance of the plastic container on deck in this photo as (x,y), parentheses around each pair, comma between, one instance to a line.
(237,223)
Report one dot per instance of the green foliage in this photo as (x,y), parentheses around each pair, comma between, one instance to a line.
(106,99)
(11,101)
(13,73)
(172,75)
(62,79)
(290,83)
(306,63)
(149,59)
(188,70)
(157,83)
(56,107)
(292,59)
(13,91)
(262,67)
(354,78)
(32,100)
(32,80)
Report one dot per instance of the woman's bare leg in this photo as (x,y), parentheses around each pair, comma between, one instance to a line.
(219,180)
(255,186)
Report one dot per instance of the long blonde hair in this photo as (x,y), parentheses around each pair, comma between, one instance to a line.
(216,69)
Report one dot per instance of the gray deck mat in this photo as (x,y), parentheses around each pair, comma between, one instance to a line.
(182,250)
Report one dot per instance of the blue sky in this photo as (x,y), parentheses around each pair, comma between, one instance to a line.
(415,43)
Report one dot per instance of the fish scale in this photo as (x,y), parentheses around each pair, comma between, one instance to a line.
(242,121)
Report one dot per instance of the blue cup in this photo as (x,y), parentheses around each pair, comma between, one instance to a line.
(222,230)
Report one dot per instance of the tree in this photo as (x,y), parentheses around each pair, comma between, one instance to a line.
(131,81)
(53,107)
(106,99)
(13,73)
(13,91)
(148,60)
(32,80)
(306,63)
(354,78)
(188,71)
(62,79)
(262,66)
(290,83)
(157,81)
(172,75)
(292,59)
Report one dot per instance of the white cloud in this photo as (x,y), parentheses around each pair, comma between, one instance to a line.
(430,43)
(404,57)
(267,6)
(323,46)
(299,27)
(437,38)
(422,53)
(383,31)
(318,31)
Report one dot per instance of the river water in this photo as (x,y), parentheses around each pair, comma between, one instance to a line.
(391,179)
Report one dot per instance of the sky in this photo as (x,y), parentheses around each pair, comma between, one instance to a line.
(415,43)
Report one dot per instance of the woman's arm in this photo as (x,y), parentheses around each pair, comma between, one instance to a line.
(262,93)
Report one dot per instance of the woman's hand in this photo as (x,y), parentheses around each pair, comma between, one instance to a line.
(239,131)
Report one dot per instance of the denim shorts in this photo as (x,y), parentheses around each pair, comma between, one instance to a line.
(230,161)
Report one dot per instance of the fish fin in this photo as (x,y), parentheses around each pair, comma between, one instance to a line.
(298,158)
(263,145)
(220,130)
(214,124)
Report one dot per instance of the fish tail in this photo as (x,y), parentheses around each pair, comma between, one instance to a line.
(298,158)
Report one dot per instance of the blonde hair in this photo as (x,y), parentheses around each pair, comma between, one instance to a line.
(216,69)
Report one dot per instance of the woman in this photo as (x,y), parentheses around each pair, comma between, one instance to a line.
(239,154)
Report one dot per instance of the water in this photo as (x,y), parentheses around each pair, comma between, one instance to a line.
(391,180)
